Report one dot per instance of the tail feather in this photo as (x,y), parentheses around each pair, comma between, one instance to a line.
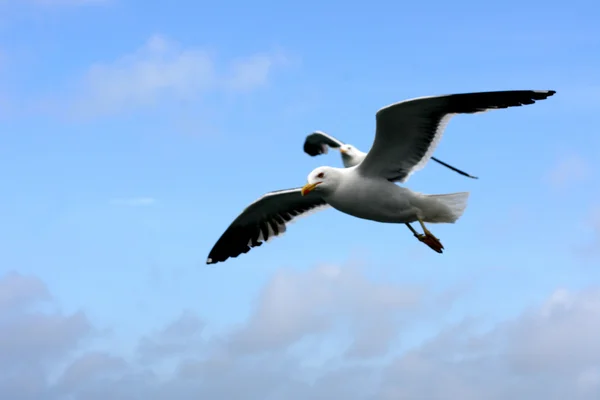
(450,207)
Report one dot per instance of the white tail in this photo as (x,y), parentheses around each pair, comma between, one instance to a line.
(451,207)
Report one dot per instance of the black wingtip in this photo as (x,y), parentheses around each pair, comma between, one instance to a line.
(313,150)
(544,94)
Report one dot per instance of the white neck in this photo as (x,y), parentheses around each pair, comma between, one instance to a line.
(351,161)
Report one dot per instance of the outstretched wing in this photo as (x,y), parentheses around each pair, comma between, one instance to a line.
(408,132)
(317,143)
(262,220)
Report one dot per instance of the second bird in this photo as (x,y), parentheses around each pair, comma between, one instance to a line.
(317,143)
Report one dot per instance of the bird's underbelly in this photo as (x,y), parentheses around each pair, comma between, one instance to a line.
(382,206)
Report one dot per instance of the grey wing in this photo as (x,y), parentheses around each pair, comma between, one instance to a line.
(264,219)
(317,143)
(408,132)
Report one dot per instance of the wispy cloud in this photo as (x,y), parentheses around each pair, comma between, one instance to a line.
(164,70)
(134,201)
(254,71)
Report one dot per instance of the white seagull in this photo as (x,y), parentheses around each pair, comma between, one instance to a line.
(406,136)
(319,142)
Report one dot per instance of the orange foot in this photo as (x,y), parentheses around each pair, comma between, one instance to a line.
(431,241)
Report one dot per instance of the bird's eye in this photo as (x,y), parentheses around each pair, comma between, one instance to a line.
(321,175)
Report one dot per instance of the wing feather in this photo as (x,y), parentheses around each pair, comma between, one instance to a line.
(408,132)
(263,220)
(318,142)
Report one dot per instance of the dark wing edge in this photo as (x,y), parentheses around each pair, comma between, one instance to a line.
(469,103)
(316,143)
(475,102)
(263,220)
(463,173)
(434,120)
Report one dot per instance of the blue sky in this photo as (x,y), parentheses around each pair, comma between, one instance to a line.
(132,133)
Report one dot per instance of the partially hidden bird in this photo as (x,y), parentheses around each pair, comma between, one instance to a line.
(406,136)
(319,142)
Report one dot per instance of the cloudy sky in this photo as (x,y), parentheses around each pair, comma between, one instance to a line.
(132,133)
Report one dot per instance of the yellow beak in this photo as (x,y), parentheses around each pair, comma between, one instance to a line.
(342,151)
(309,187)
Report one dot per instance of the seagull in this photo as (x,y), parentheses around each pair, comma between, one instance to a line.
(318,143)
(405,138)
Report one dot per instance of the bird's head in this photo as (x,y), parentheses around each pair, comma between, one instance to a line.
(351,156)
(322,179)
(348,150)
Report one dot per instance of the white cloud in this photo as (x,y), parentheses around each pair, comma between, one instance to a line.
(134,201)
(17,291)
(254,71)
(164,71)
(549,352)
(589,379)
(540,354)
(294,305)
(175,339)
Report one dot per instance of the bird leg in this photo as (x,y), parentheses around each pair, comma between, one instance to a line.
(428,238)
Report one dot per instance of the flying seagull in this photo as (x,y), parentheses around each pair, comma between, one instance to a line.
(318,143)
(405,137)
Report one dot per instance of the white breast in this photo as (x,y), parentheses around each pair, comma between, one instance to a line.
(372,199)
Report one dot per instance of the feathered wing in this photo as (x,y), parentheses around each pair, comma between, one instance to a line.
(262,220)
(318,142)
(408,132)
